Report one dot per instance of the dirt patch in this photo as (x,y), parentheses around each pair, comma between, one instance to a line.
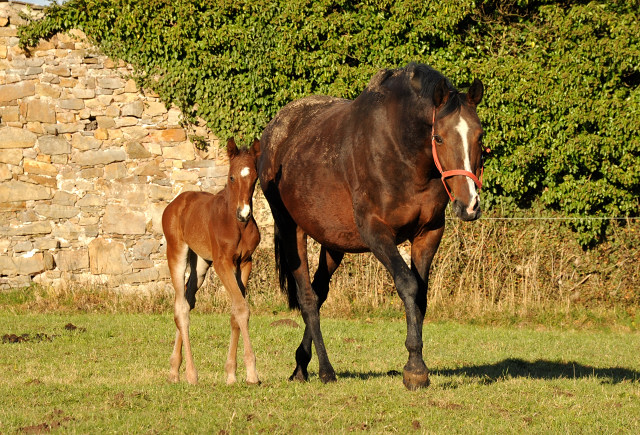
(54,420)
(23,338)
(39,336)
(72,327)
(285,322)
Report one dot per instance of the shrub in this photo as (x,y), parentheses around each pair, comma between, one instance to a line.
(561,109)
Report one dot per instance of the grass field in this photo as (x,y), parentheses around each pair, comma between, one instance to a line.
(525,333)
(92,373)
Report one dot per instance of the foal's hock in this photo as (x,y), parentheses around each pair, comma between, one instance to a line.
(201,230)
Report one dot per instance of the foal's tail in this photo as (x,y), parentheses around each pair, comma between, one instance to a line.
(192,282)
(287,281)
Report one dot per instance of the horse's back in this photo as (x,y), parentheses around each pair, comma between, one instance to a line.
(304,159)
(292,128)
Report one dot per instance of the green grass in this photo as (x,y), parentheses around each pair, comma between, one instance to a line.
(109,375)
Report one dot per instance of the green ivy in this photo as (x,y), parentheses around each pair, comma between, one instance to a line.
(561,108)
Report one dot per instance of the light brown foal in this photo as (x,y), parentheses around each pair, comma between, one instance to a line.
(202,229)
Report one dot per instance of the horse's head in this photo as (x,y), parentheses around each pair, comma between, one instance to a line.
(456,144)
(242,177)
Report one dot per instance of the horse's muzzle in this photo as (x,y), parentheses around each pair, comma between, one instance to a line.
(464,213)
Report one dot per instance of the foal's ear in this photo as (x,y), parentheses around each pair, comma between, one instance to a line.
(441,93)
(255,148)
(232,148)
(474,96)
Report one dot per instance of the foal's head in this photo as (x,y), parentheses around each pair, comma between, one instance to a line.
(242,177)
(457,146)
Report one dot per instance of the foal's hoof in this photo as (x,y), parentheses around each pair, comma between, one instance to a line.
(192,378)
(415,380)
(256,382)
(173,378)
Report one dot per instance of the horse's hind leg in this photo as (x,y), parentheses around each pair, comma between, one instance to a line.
(309,306)
(327,264)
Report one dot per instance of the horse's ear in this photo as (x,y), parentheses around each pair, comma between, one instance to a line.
(415,79)
(255,148)
(232,148)
(379,78)
(474,96)
(441,93)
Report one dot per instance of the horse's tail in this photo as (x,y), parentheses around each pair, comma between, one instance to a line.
(287,281)
(192,282)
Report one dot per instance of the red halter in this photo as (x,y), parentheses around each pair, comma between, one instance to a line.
(451,173)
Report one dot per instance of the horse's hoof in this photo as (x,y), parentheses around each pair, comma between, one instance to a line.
(415,380)
(328,377)
(256,382)
(173,378)
(299,375)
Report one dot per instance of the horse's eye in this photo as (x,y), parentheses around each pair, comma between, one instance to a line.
(438,139)
(232,178)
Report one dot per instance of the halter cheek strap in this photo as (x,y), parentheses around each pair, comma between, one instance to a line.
(446,174)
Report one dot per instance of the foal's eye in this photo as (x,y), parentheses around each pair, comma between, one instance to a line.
(438,139)
(232,178)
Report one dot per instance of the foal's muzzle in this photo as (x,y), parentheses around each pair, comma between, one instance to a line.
(243,213)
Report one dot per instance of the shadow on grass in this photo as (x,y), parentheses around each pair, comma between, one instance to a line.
(519,368)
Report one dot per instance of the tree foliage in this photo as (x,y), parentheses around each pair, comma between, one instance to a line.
(561,110)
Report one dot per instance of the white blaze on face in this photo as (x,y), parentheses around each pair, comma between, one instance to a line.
(245,172)
(463,129)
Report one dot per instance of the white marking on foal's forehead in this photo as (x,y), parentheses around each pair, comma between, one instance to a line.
(245,171)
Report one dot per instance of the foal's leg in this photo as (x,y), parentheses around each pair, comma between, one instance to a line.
(239,322)
(327,264)
(249,356)
(177,261)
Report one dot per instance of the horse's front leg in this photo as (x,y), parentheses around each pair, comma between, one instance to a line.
(381,241)
(423,249)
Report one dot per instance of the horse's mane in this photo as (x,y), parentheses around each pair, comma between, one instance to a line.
(427,78)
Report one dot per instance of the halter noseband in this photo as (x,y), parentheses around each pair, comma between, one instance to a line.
(451,173)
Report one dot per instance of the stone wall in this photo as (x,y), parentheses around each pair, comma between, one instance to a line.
(88,163)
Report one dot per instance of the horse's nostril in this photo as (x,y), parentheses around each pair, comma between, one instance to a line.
(474,205)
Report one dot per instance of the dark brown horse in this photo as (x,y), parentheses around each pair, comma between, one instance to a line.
(204,229)
(366,175)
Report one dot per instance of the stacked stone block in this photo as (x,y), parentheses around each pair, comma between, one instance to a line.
(88,163)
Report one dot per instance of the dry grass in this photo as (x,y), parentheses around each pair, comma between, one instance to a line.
(486,270)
